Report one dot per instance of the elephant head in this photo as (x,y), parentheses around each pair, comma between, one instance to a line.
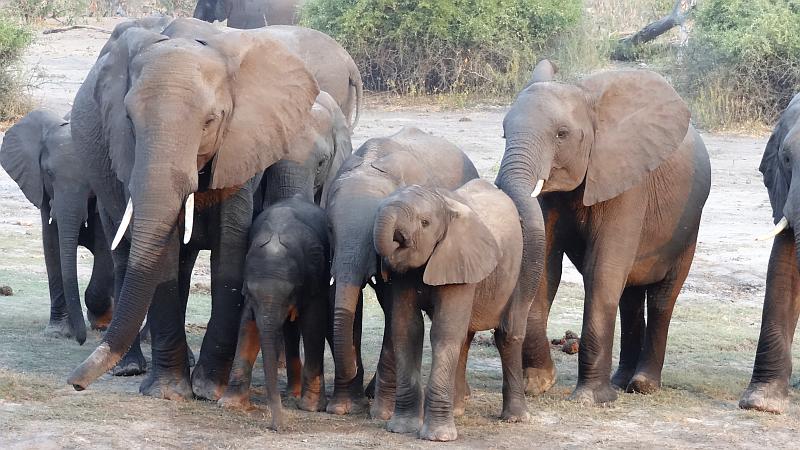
(37,153)
(418,226)
(780,167)
(228,105)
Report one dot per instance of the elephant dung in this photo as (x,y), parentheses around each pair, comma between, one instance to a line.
(6,291)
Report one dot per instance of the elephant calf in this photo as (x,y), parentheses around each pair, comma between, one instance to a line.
(461,252)
(286,287)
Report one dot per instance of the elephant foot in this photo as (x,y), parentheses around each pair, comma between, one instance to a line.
(515,411)
(538,381)
(313,402)
(370,390)
(382,407)
(622,378)
(100,321)
(208,384)
(58,329)
(459,406)
(441,433)
(347,403)
(594,395)
(642,383)
(132,364)
(166,386)
(235,401)
(404,424)
(767,397)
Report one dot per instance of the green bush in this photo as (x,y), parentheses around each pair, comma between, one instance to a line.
(14,39)
(434,46)
(743,60)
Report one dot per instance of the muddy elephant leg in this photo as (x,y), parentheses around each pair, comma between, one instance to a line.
(312,323)
(99,295)
(294,365)
(462,387)
(769,385)
(231,225)
(385,376)
(408,331)
(58,326)
(169,373)
(631,318)
(237,393)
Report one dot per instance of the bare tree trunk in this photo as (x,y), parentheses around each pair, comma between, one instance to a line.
(626,47)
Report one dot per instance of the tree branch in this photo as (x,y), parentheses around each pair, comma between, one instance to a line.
(626,46)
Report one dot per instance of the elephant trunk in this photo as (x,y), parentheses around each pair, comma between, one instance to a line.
(384,232)
(344,351)
(270,324)
(285,179)
(69,227)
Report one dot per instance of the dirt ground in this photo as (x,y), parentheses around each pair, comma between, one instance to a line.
(709,356)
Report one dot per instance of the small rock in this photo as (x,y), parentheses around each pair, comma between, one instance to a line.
(6,291)
(465,119)
(571,335)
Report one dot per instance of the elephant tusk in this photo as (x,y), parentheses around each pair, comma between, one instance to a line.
(189,219)
(332,281)
(538,189)
(782,225)
(374,281)
(123,225)
(50,222)
(86,224)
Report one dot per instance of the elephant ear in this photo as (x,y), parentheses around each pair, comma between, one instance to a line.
(775,178)
(467,253)
(639,122)
(272,93)
(22,149)
(342,149)
(111,86)
(394,165)
(544,71)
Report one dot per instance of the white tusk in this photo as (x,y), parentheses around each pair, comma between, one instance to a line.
(123,226)
(374,281)
(50,222)
(538,189)
(86,224)
(331,281)
(782,225)
(189,219)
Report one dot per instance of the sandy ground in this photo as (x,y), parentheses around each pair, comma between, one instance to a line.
(709,357)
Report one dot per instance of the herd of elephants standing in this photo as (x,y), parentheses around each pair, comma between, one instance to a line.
(186,136)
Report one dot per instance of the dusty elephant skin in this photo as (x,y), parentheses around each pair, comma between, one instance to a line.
(373,172)
(286,292)
(769,385)
(159,118)
(623,178)
(459,254)
(38,154)
(246,14)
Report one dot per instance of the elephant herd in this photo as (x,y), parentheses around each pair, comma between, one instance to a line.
(186,136)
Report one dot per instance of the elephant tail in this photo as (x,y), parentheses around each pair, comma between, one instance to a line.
(358,85)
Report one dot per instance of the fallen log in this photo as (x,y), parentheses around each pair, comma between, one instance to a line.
(626,47)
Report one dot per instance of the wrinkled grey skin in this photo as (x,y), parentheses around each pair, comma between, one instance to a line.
(460,252)
(625,180)
(249,13)
(373,172)
(780,166)
(38,154)
(156,121)
(286,293)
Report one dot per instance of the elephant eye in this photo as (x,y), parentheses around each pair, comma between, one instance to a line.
(425,222)
(562,133)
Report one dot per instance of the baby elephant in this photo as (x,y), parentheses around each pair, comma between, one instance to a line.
(286,290)
(461,251)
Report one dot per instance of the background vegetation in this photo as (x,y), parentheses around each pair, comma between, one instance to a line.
(14,38)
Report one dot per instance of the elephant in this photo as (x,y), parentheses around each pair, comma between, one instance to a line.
(769,386)
(249,13)
(174,131)
(458,254)
(38,154)
(286,288)
(623,178)
(378,168)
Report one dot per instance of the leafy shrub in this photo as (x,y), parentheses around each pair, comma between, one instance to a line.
(434,46)
(13,40)
(743,61)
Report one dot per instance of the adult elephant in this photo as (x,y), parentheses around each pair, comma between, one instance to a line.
(38,154)
(165,122)
(623,177)
(378,168)
(249,13)
(769,385)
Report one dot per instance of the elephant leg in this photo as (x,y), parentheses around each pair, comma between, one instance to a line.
(58,326)
(294,366)
(188,258)
(237,393)
(462,387)
(632,324)
(661,298)
(509,337)
(313,322)
(169,375)
(408,331)
(348,396)
(99,295)
(769,385)
(228,251)
(385,375)
(449,328)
